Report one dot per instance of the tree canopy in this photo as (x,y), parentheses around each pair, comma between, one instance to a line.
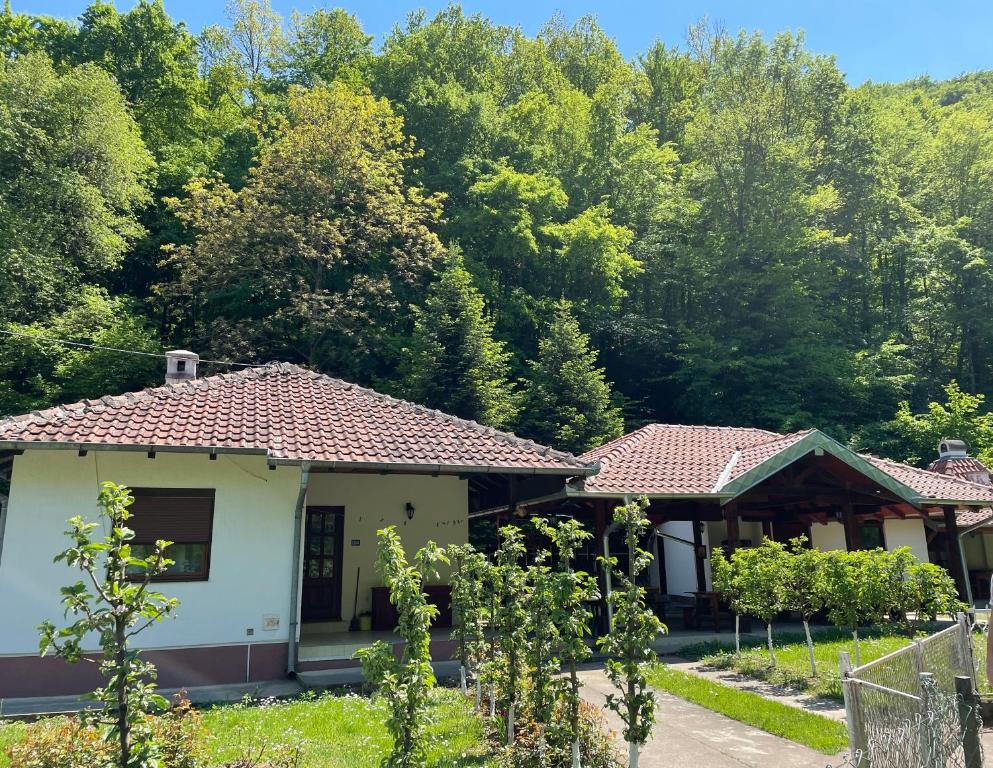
(741,236)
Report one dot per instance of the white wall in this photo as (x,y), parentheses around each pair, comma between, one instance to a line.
(828,536)
(680,566)
(906,533)
(250,559)
(373,502)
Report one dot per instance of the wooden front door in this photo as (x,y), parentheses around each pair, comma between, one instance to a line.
(322,548)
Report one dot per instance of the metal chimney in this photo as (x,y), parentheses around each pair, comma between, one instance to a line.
(954,459)
(181,365)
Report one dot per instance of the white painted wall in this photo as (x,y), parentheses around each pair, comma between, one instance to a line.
(250,561)
(906,533)
(828,536)
(373,502)
(680,568)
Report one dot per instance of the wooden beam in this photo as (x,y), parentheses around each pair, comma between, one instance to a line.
(699,552)
(731,517)
(956,563)
(852,538)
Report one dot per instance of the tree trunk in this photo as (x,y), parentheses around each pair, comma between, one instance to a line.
(810,648)
(575,753)
(510,725)
(492,701)
(632,755)
(479,694)
(772,649)
(462,678)
(737,635)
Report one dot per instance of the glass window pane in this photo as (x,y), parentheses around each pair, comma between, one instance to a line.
(329,523)
(313,569)
(314,546)
(315,523)
(328,569)
(328,545)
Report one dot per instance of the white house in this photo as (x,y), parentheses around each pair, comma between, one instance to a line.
(272,482)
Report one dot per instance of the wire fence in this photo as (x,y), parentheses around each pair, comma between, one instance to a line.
(916,707)
(943,733)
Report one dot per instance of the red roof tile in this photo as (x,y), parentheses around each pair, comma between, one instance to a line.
(290,413)
(661,459)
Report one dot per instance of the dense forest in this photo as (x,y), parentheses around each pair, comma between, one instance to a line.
(528,231)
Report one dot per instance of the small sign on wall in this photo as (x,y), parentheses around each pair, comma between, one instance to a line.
(356,542)
(270,622)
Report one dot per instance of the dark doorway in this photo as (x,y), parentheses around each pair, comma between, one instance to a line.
(322,549)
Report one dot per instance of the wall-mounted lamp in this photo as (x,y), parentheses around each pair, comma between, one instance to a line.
(410,510)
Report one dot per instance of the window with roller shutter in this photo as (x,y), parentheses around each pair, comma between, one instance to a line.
(184,516)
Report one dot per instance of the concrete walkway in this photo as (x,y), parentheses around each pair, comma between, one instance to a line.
(687,735)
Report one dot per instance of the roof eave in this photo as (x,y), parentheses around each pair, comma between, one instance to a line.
(811,443)
(61,445)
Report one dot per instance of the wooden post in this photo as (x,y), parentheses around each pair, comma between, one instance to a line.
(698,555)
(599,527)
(853,541)
(731,517)
(968,704)
(954,550)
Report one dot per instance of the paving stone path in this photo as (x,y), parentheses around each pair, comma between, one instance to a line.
(688,736)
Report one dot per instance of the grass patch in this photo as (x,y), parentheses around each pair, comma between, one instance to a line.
(827,736)
(793,664)
(332,731)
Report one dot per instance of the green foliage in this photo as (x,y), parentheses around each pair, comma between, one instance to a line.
(469,572)
(543,639)
(567,400)
(716,214)
(115,602)
(803,590)
(634,629)
(453,362)
(405,682)
(571,591)
(549,745)
(960,416)
(510,619)
(929,592)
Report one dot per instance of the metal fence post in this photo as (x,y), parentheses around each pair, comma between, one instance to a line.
(968,706)
(853,717)
(930,747)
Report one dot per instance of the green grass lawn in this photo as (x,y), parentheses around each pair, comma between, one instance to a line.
(814,731)
(792,662)
(332,731)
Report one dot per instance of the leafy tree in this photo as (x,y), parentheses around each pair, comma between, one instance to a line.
(453,362)
(405,682)
(325,46)
(961,416)
(510,620)
(760,575)
(35,372)
(467,600)
(115,602)
(804,588)
(931,592)
(634,628)
(543,639)
(726,579)
(73,173)
(292,265)
(567,400)
(571,591)
(856,590)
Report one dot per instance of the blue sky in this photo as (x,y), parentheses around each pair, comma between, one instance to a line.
(873,40)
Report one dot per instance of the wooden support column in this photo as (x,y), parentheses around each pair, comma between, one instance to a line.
(956,563)
(699,552)
(853,539)
(599,528)
(731,517)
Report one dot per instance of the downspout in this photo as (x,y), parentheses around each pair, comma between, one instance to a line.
(292,647)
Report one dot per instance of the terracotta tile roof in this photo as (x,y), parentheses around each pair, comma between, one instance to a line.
(292,414)
(667,458)
(931,485)
(966,518)
(965,468)
(691,460)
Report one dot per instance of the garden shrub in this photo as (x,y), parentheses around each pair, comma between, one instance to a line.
(63,742)
(551,747)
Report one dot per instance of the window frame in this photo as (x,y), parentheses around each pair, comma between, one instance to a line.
(192,493)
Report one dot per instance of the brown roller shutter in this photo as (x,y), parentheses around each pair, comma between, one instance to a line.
(181,515)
